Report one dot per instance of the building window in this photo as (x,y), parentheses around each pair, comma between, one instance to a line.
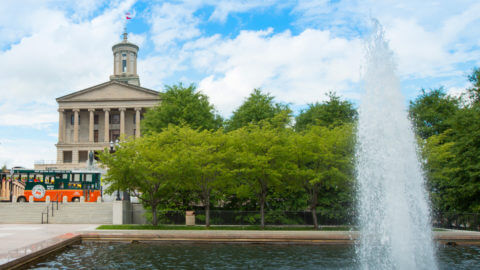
(124,63)
(95,119)
(67,156)
(95,135)
(115,119)
(82,156)
(114,135)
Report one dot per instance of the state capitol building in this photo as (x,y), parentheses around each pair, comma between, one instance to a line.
(91,118)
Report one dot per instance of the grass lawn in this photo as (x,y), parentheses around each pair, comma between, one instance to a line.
(213,227)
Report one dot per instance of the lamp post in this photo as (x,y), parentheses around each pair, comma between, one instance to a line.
(113,146)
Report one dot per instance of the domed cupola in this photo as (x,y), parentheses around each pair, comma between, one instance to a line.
(125,62)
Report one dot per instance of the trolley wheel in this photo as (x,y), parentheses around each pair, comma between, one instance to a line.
(21,199)
(76,199)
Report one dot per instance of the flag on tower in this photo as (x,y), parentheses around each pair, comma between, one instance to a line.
(128,16)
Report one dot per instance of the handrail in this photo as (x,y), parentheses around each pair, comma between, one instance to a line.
(51,204)
(43,213)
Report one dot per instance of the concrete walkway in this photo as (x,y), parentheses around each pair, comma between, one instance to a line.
(15,236)
(20,240)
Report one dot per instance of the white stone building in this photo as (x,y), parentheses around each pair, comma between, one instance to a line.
(91,118)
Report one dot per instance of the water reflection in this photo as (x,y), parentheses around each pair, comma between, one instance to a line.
(93,255)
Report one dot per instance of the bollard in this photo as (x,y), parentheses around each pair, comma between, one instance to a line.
(65,199)
(47,199)
(82,199)
(99,199)
(189,218)
(30,199)
(14,199)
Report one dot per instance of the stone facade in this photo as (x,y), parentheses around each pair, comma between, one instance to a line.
(90,119)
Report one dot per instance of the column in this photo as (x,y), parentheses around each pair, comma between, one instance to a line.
(75,125)
(59,156)
(61,125)
(122,120)
(137,121)
(74,156)
(107,125)
(91,125)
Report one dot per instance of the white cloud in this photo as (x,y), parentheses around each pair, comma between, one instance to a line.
(298,69)
(429,38)
(60,57)
(28,115)
(24,152)
(172,23)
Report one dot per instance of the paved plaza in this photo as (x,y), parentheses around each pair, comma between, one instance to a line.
(16,236)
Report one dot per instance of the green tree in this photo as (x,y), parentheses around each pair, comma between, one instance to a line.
(323,159)
(431,111)
(466,136)
(4,167)
(440,169)
(145,167)
(204,164)
(257,107)
(181,105)
(474,91)
(260,161)
(333,112)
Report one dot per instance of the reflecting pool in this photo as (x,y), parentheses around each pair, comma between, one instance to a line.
(96,255)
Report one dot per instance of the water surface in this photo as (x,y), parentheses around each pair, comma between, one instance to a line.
(95,255)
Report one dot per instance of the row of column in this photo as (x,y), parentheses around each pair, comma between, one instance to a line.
(61,127)
(5,190)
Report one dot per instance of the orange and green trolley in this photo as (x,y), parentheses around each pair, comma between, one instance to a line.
(56,184)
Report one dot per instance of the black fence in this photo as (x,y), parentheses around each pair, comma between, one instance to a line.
(231,217)
(449,220)
(457,221)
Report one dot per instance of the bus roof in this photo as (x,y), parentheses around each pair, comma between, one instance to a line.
(50,171)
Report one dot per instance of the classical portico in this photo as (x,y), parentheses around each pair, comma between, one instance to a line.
(90,119)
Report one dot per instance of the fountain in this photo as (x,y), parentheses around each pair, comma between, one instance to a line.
(393,205)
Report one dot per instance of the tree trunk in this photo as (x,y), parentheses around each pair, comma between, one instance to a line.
(313,208)
(262,211)
(154,215)
(207,214)
(314,216)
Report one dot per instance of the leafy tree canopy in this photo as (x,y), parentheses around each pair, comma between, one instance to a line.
(181,106)
(333,112)
(431,111)
(257,107)
(474,91)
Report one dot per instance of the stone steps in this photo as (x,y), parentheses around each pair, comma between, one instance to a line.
(15,213)
(67,213)
(83,213)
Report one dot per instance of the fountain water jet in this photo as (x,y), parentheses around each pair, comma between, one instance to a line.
(394,213)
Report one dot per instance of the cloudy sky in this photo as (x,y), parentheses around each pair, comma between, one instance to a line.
(296,50)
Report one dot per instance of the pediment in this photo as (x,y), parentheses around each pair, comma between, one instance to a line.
(111,91)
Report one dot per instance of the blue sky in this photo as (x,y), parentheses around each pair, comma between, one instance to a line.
(296,50)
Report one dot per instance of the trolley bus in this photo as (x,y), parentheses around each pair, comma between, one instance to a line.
(40,184)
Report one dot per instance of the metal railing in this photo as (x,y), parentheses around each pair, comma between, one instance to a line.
(240,217)
(457,221)
(51,205)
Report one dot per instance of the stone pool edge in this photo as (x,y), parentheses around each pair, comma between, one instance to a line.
(58,243)
(39,250)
